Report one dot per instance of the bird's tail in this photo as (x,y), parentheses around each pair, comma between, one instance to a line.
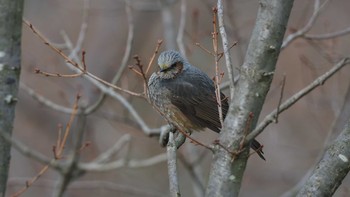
(257,147)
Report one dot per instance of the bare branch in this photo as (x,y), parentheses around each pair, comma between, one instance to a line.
(328,35)
(87,185)
(30,182)
(329,173)
(45,101)
(180,34)
(159,43)
(317,9)
(129,42)
(283,83)
(83,27)
(292,100)
(25,150)
(71,171)
(168,24)
(225,45)
(172,167)
(117,96)
(133,163)
(205,49)
(76,65)
(107,155)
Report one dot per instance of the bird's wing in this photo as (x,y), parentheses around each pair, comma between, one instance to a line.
(194,95)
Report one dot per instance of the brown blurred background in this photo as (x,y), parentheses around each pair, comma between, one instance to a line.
(291,147)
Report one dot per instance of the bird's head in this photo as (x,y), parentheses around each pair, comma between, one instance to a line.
(170,63)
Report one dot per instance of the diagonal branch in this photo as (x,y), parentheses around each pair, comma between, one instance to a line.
(291,101)
(329,173)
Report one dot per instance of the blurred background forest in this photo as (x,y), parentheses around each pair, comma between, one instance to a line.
(291,147)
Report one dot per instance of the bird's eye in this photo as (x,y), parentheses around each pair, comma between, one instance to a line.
(173,65)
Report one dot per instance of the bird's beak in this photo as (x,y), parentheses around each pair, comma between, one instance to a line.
(163,68)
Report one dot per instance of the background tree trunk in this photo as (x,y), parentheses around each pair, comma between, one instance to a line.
(10,52)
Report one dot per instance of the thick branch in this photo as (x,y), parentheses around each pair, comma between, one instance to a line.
(256,75)
(332,169)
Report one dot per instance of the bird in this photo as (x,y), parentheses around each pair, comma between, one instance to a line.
(186,96)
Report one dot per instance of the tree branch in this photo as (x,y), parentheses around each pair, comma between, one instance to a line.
(317,9)
(172,167)
(332,168)
(180,34)
(225,45)
(327,35)
(256,75)
(292,100)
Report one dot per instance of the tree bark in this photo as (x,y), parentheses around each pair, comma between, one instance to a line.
(10,52)
(255,78)
(332,169)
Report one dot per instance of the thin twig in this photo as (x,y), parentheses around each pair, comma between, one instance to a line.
(83,26)
(205,49)
(142,73)
(68,126)
(46,42)
(296,97)
(129,42)
(107,155)
(180,34)
(30,182)
(76,65)
(48,74)
(83,53)
(194,141)
(71,171)
(216,57)
(45,101)
(135,71)
(283,83)
(159,43)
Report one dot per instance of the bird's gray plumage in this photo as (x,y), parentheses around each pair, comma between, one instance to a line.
(185,95)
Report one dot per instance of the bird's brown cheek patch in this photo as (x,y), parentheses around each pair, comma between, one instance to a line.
(179,66)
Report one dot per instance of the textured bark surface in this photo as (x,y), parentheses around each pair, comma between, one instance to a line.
(332,169)
(256,76)
(10,51)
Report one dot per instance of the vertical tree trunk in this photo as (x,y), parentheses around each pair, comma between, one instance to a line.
(10,52)
(255,78)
